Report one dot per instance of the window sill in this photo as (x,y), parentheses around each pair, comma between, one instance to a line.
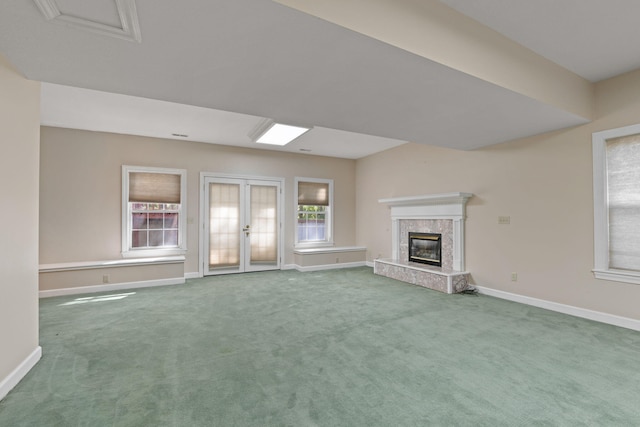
(153,253)
(312,245)
(626,276)
(328,250)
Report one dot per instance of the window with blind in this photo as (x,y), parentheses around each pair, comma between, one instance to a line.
(314,202)
(153,221)
(616,160)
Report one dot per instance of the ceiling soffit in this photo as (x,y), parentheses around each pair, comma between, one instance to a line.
(439,33)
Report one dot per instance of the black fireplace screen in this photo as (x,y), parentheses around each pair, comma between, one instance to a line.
(425,248)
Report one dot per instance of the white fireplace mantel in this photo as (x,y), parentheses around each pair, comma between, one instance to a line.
(431,206)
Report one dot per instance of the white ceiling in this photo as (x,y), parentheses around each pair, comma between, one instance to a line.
(595,39)
(69,107)
(212,69)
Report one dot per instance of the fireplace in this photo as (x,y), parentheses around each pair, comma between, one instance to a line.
(425,248)
(437,221)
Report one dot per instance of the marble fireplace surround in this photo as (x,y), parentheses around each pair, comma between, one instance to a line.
(432,213)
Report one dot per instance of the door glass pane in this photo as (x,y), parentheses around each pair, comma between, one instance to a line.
(224,225)
(264,229)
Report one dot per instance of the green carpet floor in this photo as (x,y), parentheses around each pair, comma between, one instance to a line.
(334,348)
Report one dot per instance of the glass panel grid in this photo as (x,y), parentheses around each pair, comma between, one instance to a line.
(312,223)
(154,225)
(224,225)
(264,224)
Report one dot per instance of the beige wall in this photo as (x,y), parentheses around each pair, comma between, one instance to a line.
(544,183)
(20,123)
(81,184)
(55,280)
(333,258)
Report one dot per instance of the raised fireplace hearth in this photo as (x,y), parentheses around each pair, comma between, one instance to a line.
(427,239)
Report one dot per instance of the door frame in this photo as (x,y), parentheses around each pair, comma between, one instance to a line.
(202,214)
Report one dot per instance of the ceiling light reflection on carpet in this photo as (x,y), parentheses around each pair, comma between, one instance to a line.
(280,134)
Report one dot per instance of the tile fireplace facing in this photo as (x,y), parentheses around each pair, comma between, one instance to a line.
(429,215)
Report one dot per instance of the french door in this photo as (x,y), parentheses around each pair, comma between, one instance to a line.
(242,227)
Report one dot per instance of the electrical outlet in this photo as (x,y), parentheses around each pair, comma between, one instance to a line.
(337,260)
(504,220)
(105,278)
(514,277)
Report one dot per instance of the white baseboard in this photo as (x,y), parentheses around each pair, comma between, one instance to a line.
(111,287)
(598,316)
(370,264)
(7,384)
(193,275)
(288,267)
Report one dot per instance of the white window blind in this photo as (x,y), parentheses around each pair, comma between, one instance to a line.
(623,190)
(313,193)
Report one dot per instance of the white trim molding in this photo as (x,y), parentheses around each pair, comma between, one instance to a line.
(449,202)
(601,268)
(111,287)
(623,322)
(12,380)
(129,29)
(626,276)
(129,262)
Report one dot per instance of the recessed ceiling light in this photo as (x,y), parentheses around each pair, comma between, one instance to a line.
(269,132)
(279,134)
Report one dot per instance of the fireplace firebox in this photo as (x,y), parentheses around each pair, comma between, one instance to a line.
(425,248)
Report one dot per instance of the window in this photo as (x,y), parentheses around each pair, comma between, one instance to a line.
(314,203)
(616,191)
(153,217)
